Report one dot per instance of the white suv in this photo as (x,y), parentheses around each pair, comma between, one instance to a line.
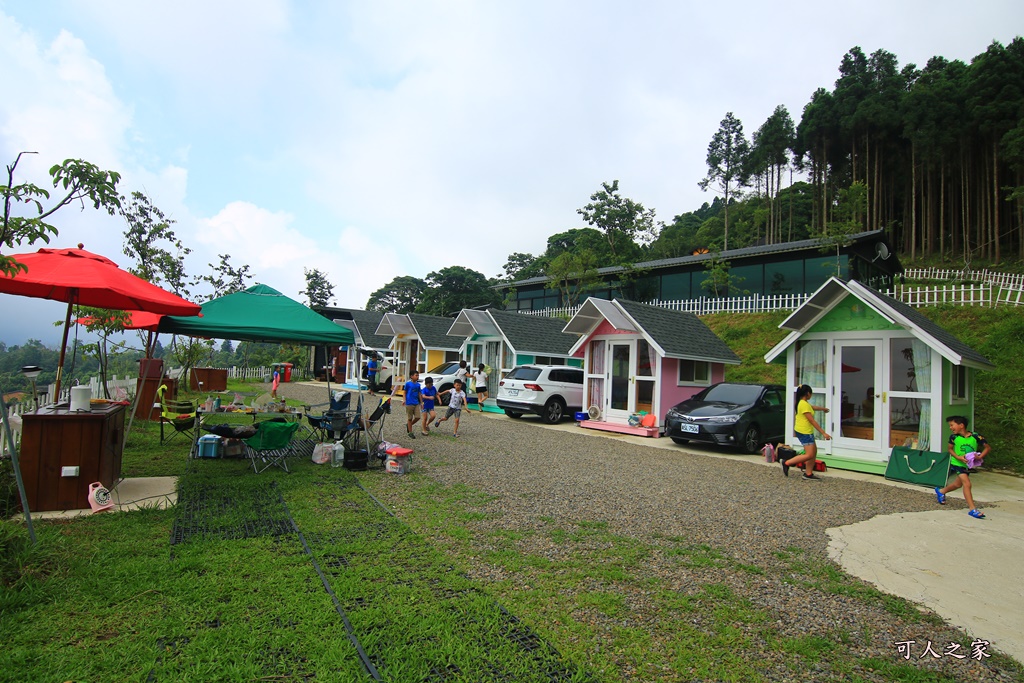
(551,391)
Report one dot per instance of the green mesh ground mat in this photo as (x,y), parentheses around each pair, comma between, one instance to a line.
(924,468)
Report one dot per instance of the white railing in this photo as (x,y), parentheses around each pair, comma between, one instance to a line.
(1005,280)
(912,295)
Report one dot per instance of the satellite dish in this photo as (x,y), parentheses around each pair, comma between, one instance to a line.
(881,251)
(594,413)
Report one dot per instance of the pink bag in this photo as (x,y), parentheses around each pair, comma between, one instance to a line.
(769,453)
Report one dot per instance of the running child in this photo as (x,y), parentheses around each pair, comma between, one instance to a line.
(481,386)
(961,443)
(429,393)
(413,401)
(455,405)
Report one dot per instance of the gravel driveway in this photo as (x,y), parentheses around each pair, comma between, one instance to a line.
(746,510)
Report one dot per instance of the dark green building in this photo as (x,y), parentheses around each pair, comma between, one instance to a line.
(788,268)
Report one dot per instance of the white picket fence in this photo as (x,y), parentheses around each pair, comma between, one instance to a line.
(1002,280)
(917,296)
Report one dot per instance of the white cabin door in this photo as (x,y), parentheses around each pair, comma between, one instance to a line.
(857,400)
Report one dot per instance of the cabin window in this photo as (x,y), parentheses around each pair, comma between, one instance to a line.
(694,372)
(958,385)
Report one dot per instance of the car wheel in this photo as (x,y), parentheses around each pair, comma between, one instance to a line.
(751,440)
(554,411)
(444,388)
(514,414)
(680,441)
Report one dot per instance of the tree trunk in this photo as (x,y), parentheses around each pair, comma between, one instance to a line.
(995,200)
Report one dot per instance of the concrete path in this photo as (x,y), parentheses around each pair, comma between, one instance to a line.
(966,570)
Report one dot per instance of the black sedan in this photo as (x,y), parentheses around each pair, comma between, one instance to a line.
(730,414)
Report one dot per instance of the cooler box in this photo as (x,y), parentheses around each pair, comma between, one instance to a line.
(398,460)
(209,446)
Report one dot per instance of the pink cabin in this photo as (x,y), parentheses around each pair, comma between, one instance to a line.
(642,359)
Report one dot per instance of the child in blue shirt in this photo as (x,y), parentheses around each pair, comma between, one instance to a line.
(413,401)
(429,393)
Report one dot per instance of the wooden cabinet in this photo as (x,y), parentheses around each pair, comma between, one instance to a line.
(53,438)
(208,379)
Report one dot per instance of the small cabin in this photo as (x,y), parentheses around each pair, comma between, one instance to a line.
(420,342)
(641,358)
(888,374)
(503,340)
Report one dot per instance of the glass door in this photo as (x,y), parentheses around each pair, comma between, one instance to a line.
(619,376)
(860,394)
(595,377)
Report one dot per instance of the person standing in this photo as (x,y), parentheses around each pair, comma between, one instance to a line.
(372,366)
(480,376)
(456,403)
(804,426)
(276,381)
(463,372)
(429,393)
(961,443)
(413,401)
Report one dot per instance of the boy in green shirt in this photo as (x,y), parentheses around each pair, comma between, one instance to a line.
(962,442)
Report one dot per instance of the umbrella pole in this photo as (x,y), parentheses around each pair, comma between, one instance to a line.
(63,348)
(17,471)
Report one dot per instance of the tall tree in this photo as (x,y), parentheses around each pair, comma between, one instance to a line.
(451,289)
(402,295)
(150,240)
(319,292)
(520,266)
(622,221)
(574,273)
(727,158)
(77,180)
(226,279)
(769,159)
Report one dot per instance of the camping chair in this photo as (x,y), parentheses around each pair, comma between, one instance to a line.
(271,444)
(179,414)
(332,422)
(367,433)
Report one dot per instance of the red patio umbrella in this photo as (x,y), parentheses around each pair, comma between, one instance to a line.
(80,277)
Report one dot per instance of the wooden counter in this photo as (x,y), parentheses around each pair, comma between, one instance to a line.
(54,437)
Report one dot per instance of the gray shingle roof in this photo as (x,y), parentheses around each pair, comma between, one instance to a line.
(534,334)
(935,330)
(433,332)
(681,335)
(366,323)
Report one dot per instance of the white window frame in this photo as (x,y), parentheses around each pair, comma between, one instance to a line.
(953,398)
(695,382)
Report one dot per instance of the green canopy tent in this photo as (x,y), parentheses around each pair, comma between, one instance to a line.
(259,314)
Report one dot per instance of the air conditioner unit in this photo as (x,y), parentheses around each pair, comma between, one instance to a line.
(594,413)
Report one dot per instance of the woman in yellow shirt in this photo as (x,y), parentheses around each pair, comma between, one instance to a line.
(804,426)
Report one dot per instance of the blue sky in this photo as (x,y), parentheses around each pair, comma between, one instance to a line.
(372,140)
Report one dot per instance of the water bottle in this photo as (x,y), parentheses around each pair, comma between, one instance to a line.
(216,403)
(338,454)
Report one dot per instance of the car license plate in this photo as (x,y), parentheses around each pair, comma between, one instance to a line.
(512,392)
(689,429)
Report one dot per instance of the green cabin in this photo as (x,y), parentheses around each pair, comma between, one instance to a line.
(888,374)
